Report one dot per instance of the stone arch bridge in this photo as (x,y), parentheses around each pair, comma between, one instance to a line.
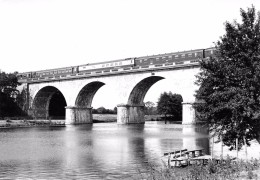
(48,97)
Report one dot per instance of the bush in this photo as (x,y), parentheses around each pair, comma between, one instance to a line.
(227,169)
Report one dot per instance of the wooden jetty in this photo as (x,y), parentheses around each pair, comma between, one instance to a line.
(184,157)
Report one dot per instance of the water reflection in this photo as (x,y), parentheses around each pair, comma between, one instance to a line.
(195,137)
(98,151)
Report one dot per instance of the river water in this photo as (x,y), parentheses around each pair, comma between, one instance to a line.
(98,151)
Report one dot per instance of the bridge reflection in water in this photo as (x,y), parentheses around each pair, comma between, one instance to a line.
(93,151)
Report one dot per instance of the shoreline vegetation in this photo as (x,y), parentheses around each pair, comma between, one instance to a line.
(226,169)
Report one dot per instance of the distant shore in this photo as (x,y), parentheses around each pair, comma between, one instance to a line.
(17,122)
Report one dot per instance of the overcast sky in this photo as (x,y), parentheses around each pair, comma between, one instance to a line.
(44,34)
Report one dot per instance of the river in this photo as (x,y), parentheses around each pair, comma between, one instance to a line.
(97,151)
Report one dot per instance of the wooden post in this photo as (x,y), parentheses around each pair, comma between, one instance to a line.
(221,147)
(212,146)
(175,163)
(245,146)
(237,146)
(169,160)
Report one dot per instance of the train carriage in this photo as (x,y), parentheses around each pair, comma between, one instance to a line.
(154,61)
(107,65)
(209,52)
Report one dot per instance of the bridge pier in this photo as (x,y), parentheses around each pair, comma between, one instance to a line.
(188,113)
(78,115)
(130,114)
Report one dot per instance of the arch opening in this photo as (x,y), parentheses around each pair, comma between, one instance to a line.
(87,93)
(57,106)
(139,91)
(49,103)
(133,111)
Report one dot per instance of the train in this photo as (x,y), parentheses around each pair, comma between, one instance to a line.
(169,59)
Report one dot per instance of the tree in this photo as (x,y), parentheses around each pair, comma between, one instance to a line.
(8,84)
(8,95)
(171,105)
(229,93)
(102,110)
(149,107)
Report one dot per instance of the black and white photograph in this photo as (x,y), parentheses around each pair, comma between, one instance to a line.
(130,89)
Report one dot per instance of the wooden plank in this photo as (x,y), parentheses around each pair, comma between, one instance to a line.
(195,150)
(174,152)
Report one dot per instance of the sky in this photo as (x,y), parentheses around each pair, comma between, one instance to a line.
(44,34)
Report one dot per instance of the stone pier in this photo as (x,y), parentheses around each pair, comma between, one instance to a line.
(78,115)
(130,114)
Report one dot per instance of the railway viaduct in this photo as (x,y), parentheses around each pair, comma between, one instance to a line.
(74,94)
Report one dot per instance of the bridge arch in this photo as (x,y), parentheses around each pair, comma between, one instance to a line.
(133,111)
(87,93)
(82,111)
(139,91)
(49,103)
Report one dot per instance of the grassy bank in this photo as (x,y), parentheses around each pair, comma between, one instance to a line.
(30,123)
(113,117)
(104,117)
(226,170)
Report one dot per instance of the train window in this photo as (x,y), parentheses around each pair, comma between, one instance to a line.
(190,55)
(116,64)
(120,63)
(195,54)
(176,56)
(183,56)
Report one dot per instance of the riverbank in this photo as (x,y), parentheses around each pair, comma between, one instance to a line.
(16,122)
(230,170)
(30,123)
